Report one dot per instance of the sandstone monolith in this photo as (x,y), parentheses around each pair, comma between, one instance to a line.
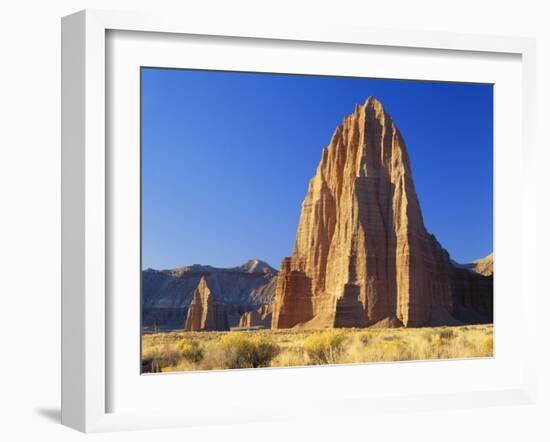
(362,253)
(205,313)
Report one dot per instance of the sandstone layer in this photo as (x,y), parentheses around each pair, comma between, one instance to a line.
(362,254)
(205,313)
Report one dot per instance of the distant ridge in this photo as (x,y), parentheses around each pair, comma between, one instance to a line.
(483,266)
(250,266)
(257,266)
(167,294)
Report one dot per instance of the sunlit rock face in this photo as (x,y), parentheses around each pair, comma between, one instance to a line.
(362,253)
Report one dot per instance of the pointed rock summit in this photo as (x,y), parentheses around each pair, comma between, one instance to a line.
(362,253)
(205,313)
(257,266)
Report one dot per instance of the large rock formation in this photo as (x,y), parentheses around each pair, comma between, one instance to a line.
(362,254)
(167,294)
(205,313)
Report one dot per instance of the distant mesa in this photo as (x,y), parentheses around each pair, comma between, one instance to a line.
(362,254)
(167,294)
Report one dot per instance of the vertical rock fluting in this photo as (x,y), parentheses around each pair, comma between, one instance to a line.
(294,304)
(205,313)
(362,254)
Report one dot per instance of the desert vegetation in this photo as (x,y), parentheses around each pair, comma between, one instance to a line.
(186,351)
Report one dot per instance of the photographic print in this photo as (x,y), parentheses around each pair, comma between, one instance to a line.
(297,220)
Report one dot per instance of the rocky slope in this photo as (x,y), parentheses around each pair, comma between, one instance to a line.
(362,254)
(167,294)
(484,266)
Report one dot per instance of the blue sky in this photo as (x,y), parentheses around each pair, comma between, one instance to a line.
(226,159)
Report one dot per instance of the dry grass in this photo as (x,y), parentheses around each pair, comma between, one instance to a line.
(186,351)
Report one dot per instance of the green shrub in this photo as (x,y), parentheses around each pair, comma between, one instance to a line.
(391,337)
(159,354)
(190,350)
(240,351)
(324,347)
(365,338)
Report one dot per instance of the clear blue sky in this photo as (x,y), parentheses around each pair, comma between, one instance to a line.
(226,159)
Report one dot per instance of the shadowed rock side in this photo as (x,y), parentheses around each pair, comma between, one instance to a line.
(205,313)
(167,294)
(260,318)
(472,287)
(362,254)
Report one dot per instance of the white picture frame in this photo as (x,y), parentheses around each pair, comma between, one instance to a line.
(86,204)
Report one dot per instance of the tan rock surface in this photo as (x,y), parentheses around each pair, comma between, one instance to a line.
(205,313)
(362,253)
(484,266)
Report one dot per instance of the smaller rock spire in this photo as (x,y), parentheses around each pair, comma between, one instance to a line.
(204,312)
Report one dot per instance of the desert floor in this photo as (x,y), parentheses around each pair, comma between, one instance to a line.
(185,351)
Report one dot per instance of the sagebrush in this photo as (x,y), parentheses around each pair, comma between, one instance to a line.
(187,351)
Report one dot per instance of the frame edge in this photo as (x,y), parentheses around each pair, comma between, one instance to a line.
(83,374)
(83,186)
(73,82)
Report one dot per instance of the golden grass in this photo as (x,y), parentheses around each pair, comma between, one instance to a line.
(188,351)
